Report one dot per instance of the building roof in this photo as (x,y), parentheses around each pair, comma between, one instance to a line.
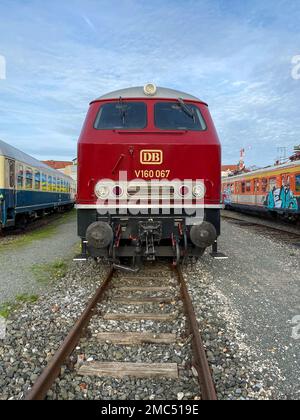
(57,164)
(229,168)
(11,152)
(138,92)
(261,171)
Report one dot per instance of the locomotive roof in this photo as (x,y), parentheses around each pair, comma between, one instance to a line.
(138,92)
(11,152)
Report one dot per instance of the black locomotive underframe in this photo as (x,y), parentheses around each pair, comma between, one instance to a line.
(144,235)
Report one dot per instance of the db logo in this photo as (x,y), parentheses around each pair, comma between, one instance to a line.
(151,157)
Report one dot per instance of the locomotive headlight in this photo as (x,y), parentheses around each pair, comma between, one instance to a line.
(199,191)
(118,191)
(102,191)
(150,89)
(184,190)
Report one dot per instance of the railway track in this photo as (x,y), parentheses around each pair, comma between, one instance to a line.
(272,229)
(132,311)
(30,226)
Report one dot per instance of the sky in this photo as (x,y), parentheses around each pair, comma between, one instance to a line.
(239,56)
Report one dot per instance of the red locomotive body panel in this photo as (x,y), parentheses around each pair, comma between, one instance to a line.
(186,154)
(175,147)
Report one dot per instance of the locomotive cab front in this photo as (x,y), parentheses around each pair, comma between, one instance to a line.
(149,178)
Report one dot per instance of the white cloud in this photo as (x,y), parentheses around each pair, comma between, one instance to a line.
(239,61)
(89,23)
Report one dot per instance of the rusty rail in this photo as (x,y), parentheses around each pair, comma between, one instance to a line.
(205,379)
(52,371)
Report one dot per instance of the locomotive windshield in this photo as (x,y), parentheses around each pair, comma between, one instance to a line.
(122,115)
(178,116)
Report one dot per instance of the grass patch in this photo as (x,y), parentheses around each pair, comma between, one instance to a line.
(38,234)
(45,273)
(7,308)
(26,298)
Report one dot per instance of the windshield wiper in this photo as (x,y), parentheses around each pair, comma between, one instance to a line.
(123,110)
(190,112)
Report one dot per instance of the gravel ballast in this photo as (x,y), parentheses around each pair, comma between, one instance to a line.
(17,259)
(245,307)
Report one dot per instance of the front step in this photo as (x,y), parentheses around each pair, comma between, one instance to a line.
(135,370)
(140,317)
(133,338)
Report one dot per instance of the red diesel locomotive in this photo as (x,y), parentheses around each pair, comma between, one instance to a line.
(149,177)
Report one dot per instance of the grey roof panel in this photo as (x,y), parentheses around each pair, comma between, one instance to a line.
(11,152)
(138,92)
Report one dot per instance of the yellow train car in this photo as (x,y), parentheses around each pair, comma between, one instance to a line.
(28,187)
(275,190)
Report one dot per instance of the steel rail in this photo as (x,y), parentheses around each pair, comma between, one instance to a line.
(52,371)
(205,379)
(261,221)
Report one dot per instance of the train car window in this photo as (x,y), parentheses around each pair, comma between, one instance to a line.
(298,183)
(122,115)
(29,179)
(264,185)
(12,173)
(20,177)
(37,181)
(50,181)
(54,185)
(248,186)
(272,184)
(173,116)
(256,185)
(243,187)
(44,182)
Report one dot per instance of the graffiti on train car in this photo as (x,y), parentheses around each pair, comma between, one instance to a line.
(282,198)
(227,196)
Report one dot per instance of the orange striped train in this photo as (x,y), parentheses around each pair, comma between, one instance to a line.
(274,190)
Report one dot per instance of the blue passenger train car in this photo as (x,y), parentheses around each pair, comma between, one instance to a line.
(29,188)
